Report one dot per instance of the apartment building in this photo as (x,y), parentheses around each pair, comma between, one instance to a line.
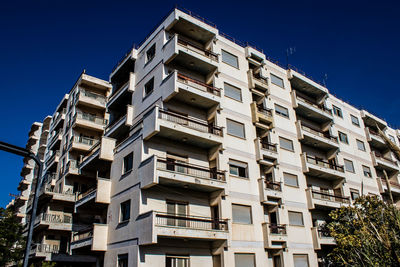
(200,151)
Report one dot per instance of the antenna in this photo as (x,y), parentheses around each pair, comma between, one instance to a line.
(325,79)
(289,51)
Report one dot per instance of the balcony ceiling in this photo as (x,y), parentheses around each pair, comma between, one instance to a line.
(193,64)
(312,115)
(306,88)
(192,31)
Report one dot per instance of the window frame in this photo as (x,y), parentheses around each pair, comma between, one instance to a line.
(279,78)
(352,121)
(124,164)
(231,134)
(286,139)
(235,88)
(369,171)
(122,257)
(358,141)
(250,214)
(145,93)
(280,113)
(352,165)
(290,174)
(345,135)
(233,56)
(297,212)
(244,253)
(300,254)
(232,162)
(355,191)
(122,207)
(149,59)
(337,111)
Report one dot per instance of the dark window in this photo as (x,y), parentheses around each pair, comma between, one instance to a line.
(367,171)
(237,168)
(360,145)
(337,111)
(281,111)
(123,260)
(150,54)
(128,163)
(125,211)
(354,193)
(149,87)
(343,138)
(354,120)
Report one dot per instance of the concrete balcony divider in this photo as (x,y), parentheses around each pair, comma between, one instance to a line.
(262,117)
(257,82)
(270,192)
(383,186)
(124,121)
(374,138)
(156,224)
(275,235)
(266,152)
(156,170)
(101,194)
(321,237)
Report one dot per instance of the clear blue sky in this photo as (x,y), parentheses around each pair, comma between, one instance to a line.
(44,46)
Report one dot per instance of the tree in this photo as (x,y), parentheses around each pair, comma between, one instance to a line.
(12,242)
(366,234)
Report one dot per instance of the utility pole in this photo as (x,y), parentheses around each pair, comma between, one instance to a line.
(26,153)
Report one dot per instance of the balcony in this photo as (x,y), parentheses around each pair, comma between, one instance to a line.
(258,83)
(374,138)
(72,168)
(88,121)
(270,192)
(55,140)
(99,156)
(324,200)
(275,235)
(382,162)
(52,252)
(43,251)
(50,192)
(120,125)
(54,221)
(299,80)
(155,170)
(321,168)
(262,117)
(371,120)
(94,237)
(321,237)
(23,184)
(394,186)
(181,128)
(53,160)
(91,99)
(58,119)
(82,143)
(122,92)
(316,138)
(266,153)
(183,52)
(156,224)
(96,197)
(310,110)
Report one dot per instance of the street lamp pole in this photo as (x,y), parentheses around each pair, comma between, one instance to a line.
(26,153)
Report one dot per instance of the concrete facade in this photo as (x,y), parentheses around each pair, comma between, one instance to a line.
(199,151)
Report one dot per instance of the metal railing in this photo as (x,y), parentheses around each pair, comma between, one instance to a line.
(325,164)
(83,234)
(190,169)
(321,134)
(54,137)
(89,117)
(45,248)
(276,186)
(321,107)
(199,85)
(192,222)
(268,146)
(100,98)
(266,111)
(190,122)
(53,156)
(87,194)
(198,49)
(85,140)
(329,197)
(277,229)
(55,218)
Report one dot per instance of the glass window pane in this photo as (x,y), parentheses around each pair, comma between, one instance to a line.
(276,80)
(349,165)
(300,260)
(281,111)
(232,92)
(367,171)
(235,128)
(354,120)
(295,218)
(286,143)
(230,59)
(244,260)
(241,214)
(360,145)
(290,179)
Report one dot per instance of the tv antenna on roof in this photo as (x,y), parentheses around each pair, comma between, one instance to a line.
(325,79)
(289,51)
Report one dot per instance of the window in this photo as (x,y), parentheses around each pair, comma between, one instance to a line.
(150,54)
(123,260)
(354,193)
(177,261)
(230,59)
(277,81)
(281,111)
(354,120)
(360,145)
(348,164)
(296,218)
(241,214)
(232,92)
(128,162)
(343,138)
(238,168)
(177,208)
(244,260)
(300,260)
(125,209)
(337,111)
(290,179)
(149,87)
(367,171)
(286,144)
(235,128)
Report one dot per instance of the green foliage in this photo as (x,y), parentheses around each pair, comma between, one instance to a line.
(48,264)
(367,234)
(12,243)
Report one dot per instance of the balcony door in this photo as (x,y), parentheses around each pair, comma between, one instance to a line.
(177,212)
(176,163)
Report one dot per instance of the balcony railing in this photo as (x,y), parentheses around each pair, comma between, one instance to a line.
(268,146)
(53,156)
(276,186)
(191,222)
(100,98)
(190,122)
(45,248)
(91,118)
(117,89)
(55,218)
(190,169)
(83,234)
(321,134)
(198,84)
(198,49)
(88,193)
(329,197)
(59,116)
(321,107)
(277,229)
(392,183)
(383,158)
(266,111)
(85,140)
(325,164)
(54,137)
